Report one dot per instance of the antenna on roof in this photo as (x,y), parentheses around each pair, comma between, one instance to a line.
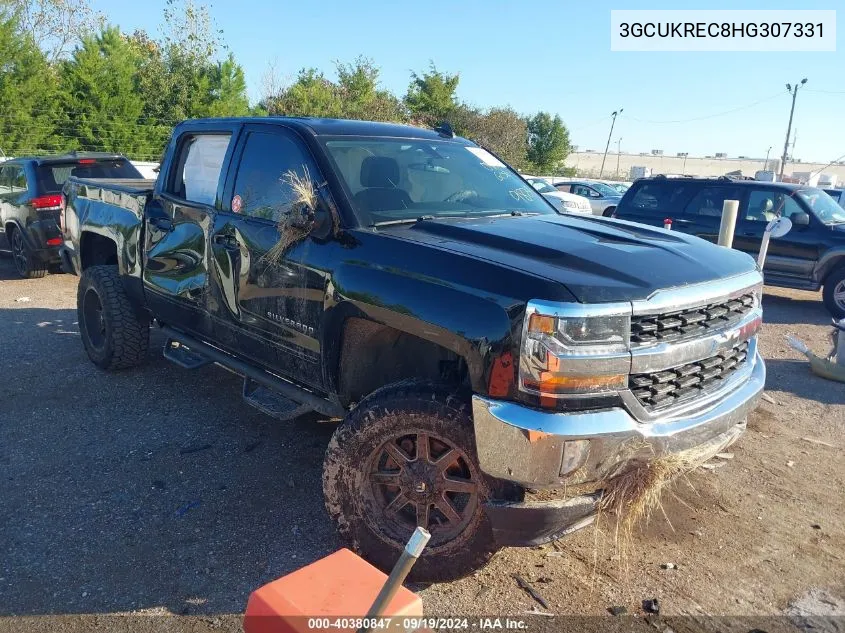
(445,129)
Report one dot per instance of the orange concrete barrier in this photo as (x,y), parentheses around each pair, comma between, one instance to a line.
(326,595)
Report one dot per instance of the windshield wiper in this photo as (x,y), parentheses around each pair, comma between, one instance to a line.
(403,221)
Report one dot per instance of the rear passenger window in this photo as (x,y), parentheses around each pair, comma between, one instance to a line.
(268,163)
(765,205)
(197,171)
(708,202)
(656,198)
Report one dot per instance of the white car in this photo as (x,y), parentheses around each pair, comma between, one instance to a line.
(567,203)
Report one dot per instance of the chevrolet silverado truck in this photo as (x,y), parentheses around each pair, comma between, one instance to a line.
(484,356)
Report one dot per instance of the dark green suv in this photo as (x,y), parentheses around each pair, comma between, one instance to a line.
(810,257)
(31,200)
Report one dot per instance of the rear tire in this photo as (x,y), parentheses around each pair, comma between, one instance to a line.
(420,436)
(113,335)
(26,264)
(833,293)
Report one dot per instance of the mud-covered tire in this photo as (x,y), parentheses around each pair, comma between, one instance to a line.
(113,335)
(833,292)
(392,415)
(27,265)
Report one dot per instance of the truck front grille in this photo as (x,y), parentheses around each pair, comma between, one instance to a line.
(673,326)
(663,389)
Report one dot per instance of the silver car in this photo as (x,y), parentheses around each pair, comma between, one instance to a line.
(566,203)
(603,198)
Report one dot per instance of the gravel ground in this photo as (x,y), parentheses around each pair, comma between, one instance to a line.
(158,491)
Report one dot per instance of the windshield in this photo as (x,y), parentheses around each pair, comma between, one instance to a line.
(603,189)
(542,186)
(620,188)
(823,206)
(394,180)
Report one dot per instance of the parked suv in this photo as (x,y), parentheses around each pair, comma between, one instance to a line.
(811,256)
(837,194)
(30,202)
(603,198)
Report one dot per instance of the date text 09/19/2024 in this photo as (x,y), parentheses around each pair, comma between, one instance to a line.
(412,624)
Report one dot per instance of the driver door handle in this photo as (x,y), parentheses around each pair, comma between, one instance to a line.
(227,241)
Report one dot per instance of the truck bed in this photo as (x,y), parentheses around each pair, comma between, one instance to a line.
(133,186)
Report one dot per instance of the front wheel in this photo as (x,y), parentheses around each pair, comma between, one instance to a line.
(833,293)
(112,333)
(405,457)
(608,213)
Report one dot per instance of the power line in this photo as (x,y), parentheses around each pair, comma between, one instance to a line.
(711,116)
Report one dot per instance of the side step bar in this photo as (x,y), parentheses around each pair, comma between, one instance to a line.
(253,376)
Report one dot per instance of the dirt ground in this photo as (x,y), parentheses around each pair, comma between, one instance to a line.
(157,491)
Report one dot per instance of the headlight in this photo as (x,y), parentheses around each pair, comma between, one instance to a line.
(570,350)
(570,204)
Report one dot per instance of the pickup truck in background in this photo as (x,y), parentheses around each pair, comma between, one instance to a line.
(30,201)
(483,355)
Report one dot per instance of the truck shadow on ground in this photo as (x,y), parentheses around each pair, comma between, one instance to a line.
(150,488)
(789,310)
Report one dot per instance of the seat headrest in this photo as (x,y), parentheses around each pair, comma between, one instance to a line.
(380,171)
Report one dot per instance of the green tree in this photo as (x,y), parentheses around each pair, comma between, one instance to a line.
(28,90)
(56,26)
(431,96)
(548,142)
(501,130)
(361,97)
(310,95)
(101,109)
(228,90)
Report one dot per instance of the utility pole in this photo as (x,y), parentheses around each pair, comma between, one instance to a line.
(618,152)
(766,165)
(794,92)
(607,147)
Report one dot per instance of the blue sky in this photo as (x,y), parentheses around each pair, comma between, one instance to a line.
(554,56)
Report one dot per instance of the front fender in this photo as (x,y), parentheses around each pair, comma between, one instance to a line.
(456,318)
(827,262)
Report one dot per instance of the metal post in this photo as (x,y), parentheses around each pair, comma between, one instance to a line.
(412,551)
(730,209)
(764,249)
(607,147)
(794,92)
(766,166)
(618,152)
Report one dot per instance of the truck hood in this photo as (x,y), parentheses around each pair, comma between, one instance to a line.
(596,259)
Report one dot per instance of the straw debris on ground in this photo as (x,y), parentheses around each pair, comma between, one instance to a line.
(635,493)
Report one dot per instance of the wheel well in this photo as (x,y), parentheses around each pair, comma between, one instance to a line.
(10,226)
(96,249)
(374,355)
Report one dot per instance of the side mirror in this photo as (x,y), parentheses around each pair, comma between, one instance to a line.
(800,219)
(324,222)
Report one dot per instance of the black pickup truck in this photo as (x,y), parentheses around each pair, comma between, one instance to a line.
(482,354)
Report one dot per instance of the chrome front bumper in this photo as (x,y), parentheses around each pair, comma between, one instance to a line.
(540,449)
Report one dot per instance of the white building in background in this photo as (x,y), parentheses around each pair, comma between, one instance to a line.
(619,166)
